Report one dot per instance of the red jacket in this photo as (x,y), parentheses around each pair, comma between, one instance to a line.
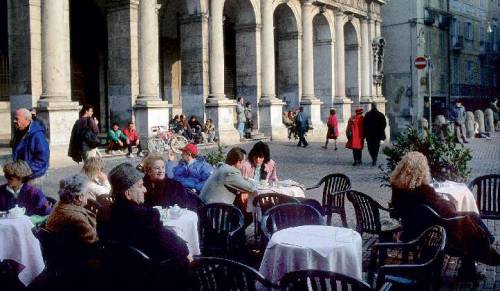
(333,126)
(355,125)
(131,134)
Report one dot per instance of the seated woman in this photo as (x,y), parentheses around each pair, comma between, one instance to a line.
(259,165)
(75,229)
(410,189)
(98,183)
(17,191)
(69,216)
(163,191)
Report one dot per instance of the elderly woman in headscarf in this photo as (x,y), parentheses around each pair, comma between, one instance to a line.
(411,188)
(70,218)
(18,191)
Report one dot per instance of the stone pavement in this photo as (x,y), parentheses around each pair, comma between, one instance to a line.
(309,165)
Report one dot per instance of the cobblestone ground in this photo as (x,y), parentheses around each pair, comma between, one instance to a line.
(308,165)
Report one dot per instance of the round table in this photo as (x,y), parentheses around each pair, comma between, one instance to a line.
(318,247)
(18,243)
(459,194)
(186,227)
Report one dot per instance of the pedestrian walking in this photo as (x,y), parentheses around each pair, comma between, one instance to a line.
(240,115)
(30,145)
(302,124)
(355,138)
(374,124)
(248,120)
(83,142)
(457,116)
(333,128)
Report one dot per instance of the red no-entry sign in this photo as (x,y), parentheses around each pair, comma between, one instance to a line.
(420,62)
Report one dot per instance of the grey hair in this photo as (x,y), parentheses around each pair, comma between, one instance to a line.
(73,186)
(25,112)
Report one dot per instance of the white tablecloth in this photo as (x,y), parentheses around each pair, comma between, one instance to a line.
(18,243)
(186,227)
(460,194)
(313,247)
(293,191)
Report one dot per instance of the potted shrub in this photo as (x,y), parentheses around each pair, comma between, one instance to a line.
(447,159)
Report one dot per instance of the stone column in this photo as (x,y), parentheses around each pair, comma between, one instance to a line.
(312,106)
(371,36)
(270,107)
(150,110)
(55,106)
(365,60)
(341,103)
(194,56)
(123,79)
(378,33)
(218,107)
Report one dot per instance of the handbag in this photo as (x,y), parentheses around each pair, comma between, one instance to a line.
(348,132)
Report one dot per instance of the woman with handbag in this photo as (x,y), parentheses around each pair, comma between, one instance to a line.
(333,128)
(355,137)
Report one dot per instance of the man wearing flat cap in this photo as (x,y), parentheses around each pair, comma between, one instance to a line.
(130,222)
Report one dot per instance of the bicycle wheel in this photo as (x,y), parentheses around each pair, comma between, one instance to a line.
(156,145)
(178,142)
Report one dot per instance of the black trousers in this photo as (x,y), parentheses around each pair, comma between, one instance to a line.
(302,139)
(373,148)
(136,142)
(357,154)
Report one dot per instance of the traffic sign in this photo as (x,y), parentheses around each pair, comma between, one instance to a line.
(420,63)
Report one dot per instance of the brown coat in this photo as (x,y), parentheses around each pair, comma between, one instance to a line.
(464,234)
(72,220)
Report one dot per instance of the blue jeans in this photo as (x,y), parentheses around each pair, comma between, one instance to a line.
(241,128)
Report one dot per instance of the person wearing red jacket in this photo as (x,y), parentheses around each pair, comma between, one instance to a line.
(132,139)
(333,128)
(355,137)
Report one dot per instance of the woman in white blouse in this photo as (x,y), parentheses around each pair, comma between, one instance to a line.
(98,181)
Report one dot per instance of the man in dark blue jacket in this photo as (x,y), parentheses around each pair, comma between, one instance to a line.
(31,146)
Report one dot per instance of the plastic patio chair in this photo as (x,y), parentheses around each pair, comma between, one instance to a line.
(486,190)
(319,280)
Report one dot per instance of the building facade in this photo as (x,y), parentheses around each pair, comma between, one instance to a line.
(457,36)
(147,59)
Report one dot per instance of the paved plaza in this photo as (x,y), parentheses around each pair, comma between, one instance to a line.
(308,165)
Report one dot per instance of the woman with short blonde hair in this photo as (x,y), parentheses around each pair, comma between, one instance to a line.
(98,180)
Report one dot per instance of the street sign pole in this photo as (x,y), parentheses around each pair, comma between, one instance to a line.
(430,91)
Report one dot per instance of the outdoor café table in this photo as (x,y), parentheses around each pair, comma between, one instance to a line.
(186,227)
(459,194)
(318,247)
(18,243)
(281,188)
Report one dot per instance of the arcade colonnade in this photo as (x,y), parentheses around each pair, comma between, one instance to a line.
(161,57)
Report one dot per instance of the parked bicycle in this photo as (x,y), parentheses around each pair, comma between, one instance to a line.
(162,139)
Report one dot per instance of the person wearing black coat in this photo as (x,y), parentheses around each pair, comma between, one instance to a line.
(130,222)
(374,124)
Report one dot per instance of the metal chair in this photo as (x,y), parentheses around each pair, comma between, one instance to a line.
(220,226)
(318,280)
(213,274)
(421,261)
(334,189)
(105,200)
(289,215)
(486,189)
(93,206)
(368,219)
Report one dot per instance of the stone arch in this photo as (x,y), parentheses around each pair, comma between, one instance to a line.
(287,35)
(323,63)
(88,53)
(352,61)
(183,55)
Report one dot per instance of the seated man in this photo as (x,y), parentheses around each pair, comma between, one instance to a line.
(163,191)
(226,182)
(132,140)
(191,171)
(17,191)
(116,139)
(130,222)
